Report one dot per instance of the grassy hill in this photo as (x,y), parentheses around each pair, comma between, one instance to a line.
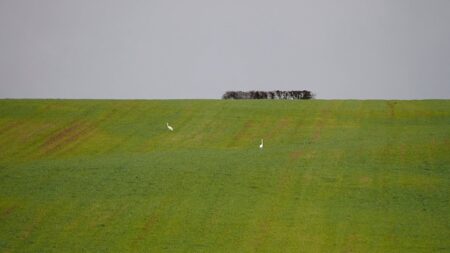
(334,176)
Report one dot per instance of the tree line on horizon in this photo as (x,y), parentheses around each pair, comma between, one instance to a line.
(277,94)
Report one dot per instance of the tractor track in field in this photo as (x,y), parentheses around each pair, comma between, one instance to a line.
(28,231)
(152,219)
(149,224)
(391,105)
(70,134)
(8,131)
(242,133)
(76,130)
(9,126)
(280,126)
(320,124)
(286,181)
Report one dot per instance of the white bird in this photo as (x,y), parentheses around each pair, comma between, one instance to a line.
(262,144)
(170,128)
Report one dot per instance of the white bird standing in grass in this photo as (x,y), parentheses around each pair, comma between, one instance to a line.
(170,128)
(262,144)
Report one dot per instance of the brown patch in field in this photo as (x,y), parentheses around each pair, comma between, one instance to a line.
(8,126)
(243,132)
(391,106)
(62,134)
(279,127)
(365,180)
(350,242)
(63,140)
(151,221)
(447,142)
(66,136)
(295,155)
(320,124)
(264,233)
(7,211)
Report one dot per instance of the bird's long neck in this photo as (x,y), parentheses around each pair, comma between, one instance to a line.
(262,141)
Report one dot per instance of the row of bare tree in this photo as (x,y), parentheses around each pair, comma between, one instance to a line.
(293,94)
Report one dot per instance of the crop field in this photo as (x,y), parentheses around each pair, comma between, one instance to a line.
(333,176)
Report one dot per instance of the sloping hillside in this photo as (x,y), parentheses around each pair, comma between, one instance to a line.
(334,176)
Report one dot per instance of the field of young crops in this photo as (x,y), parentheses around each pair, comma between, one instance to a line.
(333,176)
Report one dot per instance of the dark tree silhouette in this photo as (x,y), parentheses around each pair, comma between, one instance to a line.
(293,94)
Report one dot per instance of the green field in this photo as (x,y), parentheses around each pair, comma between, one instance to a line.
(334,176)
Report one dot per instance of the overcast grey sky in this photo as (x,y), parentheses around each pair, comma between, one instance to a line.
(201,48)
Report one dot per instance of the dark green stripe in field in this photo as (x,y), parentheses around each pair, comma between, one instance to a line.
(334,176)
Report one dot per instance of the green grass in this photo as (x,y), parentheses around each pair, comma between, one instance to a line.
(334,176)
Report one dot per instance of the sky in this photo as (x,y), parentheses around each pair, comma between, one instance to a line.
(168,49)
